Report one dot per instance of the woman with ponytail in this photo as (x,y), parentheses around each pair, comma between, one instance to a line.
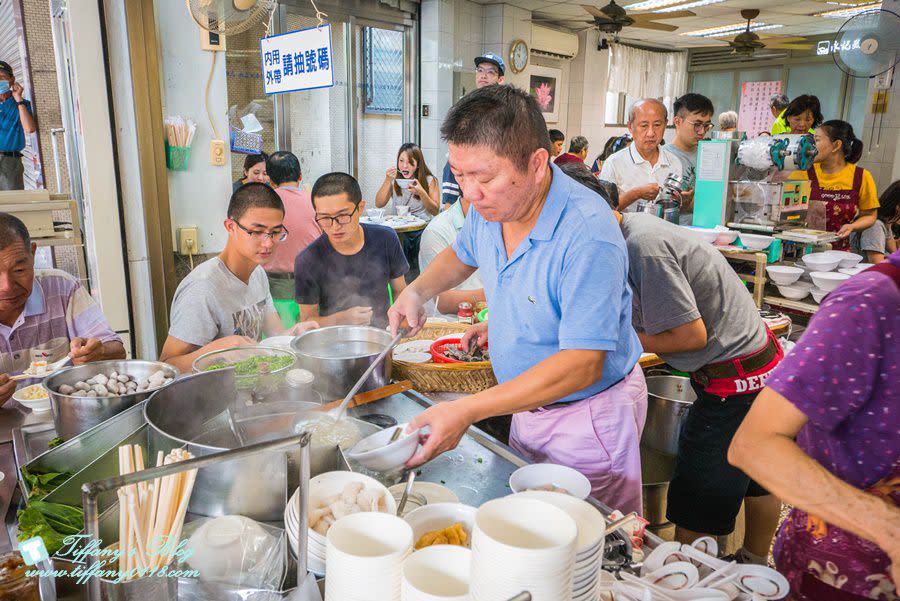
(843,198)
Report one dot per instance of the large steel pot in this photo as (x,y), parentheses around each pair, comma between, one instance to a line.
(339,355)
(670,398)
(73,415)
(202,413)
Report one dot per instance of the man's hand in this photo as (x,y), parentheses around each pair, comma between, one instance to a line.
(648,192)
(391,173)
(302,328)
(17,90)
(228,342)
(7,388)
(447,422)
(479,331)
(85,351)
(410,306)
(357,316)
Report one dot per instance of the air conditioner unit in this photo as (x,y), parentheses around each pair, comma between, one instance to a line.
(553,42)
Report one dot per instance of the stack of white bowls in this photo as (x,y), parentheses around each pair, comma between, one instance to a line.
(589,544)
(522,544)
(321,488)
(822,268)
(438,573)
(365,554)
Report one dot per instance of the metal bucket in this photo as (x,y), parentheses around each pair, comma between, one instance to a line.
(200,412)
(73,415)
(670,398)
(651,207)
(340,355)
(656,473)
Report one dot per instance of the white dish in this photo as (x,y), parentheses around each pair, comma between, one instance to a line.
(784,275)
(36,405)
(855,270)
(756,241)
(818,294)
(706,234)
(726,236)
(329,484)
(378,453)
(828,280)
(848,259)
(433,493)
(824,261)
(439,516)
(793,292)
(413,346)
(537,475)
(590,522)
(442,571)
(409,357)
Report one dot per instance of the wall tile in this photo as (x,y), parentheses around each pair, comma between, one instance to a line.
(429,46)
(493,10)
(493,30)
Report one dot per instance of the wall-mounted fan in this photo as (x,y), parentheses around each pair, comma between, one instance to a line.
(747,42)
(612,18)
(868,44)
(229,17)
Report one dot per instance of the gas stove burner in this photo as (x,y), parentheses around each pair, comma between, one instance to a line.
(379,419)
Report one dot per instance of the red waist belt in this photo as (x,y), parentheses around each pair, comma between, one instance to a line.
(741,375)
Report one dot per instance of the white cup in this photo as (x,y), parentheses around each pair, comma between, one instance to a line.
(402,210)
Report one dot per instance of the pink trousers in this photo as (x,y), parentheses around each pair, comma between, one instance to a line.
(599,436)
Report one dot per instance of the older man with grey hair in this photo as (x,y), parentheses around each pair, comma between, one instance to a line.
(640,169)
(778,103)
(578,151)
(728,121)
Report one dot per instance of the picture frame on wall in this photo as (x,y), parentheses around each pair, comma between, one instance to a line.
(545,84)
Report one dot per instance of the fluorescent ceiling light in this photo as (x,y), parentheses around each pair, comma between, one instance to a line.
(846,13)
(688,6)
(652,4)
(724,30)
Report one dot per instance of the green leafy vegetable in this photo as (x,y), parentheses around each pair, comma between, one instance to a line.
(250,366)
(55,442)
(53,522)
(42,485)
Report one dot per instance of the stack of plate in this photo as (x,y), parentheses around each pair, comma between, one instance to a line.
(438,573)
(365,554)
(321,488)
(522,544)
(589,544)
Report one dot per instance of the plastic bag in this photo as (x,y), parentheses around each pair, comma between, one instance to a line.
(245,128)
(234,555)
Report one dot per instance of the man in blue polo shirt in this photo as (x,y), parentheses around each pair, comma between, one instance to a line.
(554,267)
(15,122)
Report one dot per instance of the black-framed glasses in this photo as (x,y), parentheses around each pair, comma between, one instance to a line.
(276,236)
(326,221)
(701,126)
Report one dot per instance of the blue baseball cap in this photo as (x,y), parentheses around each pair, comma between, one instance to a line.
(490,57)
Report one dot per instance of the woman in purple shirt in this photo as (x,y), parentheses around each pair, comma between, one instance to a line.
(824,436)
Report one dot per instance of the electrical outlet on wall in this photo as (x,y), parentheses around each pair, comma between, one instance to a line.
(188,240)
(217,153)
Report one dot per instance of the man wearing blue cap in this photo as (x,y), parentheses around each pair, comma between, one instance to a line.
(15,122)
(489,71)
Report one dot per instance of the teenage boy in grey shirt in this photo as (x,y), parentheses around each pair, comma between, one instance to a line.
(225,301)
(690,308)
(693,120)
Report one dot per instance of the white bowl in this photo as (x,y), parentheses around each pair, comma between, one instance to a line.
(726,237)
(370,536)
(828,280)
(278,342)
(378,453)
(441,571)
(794,292)
(824,261)
(818,294)
(329,484)
(848,259)
(537,475)
(856,270)
(706,234)
(439,516)
(784,275)
(36,405)
(590,522)
(525,528)
(756,241)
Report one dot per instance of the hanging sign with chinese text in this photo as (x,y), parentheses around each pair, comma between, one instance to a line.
(298,60)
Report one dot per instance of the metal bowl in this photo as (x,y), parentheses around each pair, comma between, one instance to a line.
(74,415)
(339,355)
(248,381)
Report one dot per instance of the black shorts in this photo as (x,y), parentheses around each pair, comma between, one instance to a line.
(706,492)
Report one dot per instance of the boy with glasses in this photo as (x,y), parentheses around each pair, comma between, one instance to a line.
(342,278)
(693,120)
(225,301)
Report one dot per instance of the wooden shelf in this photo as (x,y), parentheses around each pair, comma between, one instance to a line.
(797,305)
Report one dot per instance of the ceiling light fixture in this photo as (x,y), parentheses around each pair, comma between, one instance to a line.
(846,13)
(688,6)
(724,30)
(652,4)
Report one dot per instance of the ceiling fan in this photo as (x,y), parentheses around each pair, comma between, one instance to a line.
(612,18)
(747,42)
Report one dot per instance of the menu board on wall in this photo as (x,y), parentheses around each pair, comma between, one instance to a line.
(754,114)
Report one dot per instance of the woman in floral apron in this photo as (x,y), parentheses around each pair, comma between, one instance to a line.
(843,198)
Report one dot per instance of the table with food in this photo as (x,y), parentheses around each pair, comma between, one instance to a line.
(399,223)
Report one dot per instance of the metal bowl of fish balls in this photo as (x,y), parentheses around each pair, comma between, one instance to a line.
(84,396)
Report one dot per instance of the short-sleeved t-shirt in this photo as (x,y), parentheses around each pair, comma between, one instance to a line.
(336,282)
(415,204)
(450,192)
(564,287)
(12,136)
(872,239)
(843,375)
(212,303)
(843,180)
(676,279)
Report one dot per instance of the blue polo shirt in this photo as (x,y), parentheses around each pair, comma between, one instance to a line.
(12,137)
(564,287)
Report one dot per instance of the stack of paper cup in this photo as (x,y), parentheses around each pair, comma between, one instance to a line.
(438,573)
(365,553)
(589,544)
(521,544)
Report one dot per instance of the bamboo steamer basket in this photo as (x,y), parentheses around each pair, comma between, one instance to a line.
(445,377)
